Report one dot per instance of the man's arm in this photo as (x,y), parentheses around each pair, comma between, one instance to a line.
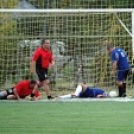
(52,63)
(35,95)
(114,66)
(16,94)
(101,96)
(35,98)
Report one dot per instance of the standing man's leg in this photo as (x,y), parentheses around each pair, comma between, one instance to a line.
(47,88)
(121,77)
(44,80)
(124,83)
(120,88)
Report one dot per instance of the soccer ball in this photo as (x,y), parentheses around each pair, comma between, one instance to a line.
(113,94)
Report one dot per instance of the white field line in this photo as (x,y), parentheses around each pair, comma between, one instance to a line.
(125,99)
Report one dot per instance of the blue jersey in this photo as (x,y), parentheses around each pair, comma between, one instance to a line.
(92,92)
(120,56)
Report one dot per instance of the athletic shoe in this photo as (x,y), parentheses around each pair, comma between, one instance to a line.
(51,98)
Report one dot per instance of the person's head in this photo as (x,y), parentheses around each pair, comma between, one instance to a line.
(110,48)
(45,44)
(33,83)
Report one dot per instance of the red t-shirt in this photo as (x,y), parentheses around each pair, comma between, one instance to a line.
(42,58)
(23,89)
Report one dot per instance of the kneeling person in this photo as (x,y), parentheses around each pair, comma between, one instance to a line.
(21,90)
(83,91)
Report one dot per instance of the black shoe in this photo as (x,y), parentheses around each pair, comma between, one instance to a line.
(51,98)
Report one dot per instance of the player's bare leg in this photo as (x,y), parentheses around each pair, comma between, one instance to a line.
(11,97)
(47,88)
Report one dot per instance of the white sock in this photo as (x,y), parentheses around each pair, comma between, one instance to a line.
(66,96)
(78,90)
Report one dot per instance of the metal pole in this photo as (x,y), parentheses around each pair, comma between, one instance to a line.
(44,28)
(133,50)
(133,38)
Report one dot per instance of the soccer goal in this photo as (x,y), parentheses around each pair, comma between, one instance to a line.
(78,42)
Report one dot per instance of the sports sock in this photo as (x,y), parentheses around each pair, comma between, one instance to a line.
(120,90)
(65,96)
(78,90)
(50,97)
(124,90)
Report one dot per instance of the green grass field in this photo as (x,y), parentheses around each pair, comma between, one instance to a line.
(96,117)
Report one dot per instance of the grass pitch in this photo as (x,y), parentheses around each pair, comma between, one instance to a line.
(94,117)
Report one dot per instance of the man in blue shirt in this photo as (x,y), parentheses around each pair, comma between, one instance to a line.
(83,91)
(120,62)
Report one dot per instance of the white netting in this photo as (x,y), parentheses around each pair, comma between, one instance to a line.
(78,43)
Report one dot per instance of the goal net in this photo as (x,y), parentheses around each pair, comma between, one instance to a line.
(78,43)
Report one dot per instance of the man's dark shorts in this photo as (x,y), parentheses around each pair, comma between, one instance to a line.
(42,74)
(122,75)
(9,92)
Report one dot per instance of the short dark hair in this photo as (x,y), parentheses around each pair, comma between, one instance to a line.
(43,40)
(33,82)
(110,46)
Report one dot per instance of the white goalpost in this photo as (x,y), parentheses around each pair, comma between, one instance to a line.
(78,36)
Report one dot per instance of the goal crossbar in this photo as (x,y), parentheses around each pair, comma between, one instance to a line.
(65,10)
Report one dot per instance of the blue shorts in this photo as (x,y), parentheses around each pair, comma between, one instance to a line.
(122,75)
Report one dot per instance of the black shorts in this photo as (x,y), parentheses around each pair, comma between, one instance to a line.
(42,74)
(10,91)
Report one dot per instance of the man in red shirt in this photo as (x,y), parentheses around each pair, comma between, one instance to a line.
(21,90)
(41,60)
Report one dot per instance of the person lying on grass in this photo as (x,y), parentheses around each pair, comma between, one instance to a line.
(83,91)
(21,90)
